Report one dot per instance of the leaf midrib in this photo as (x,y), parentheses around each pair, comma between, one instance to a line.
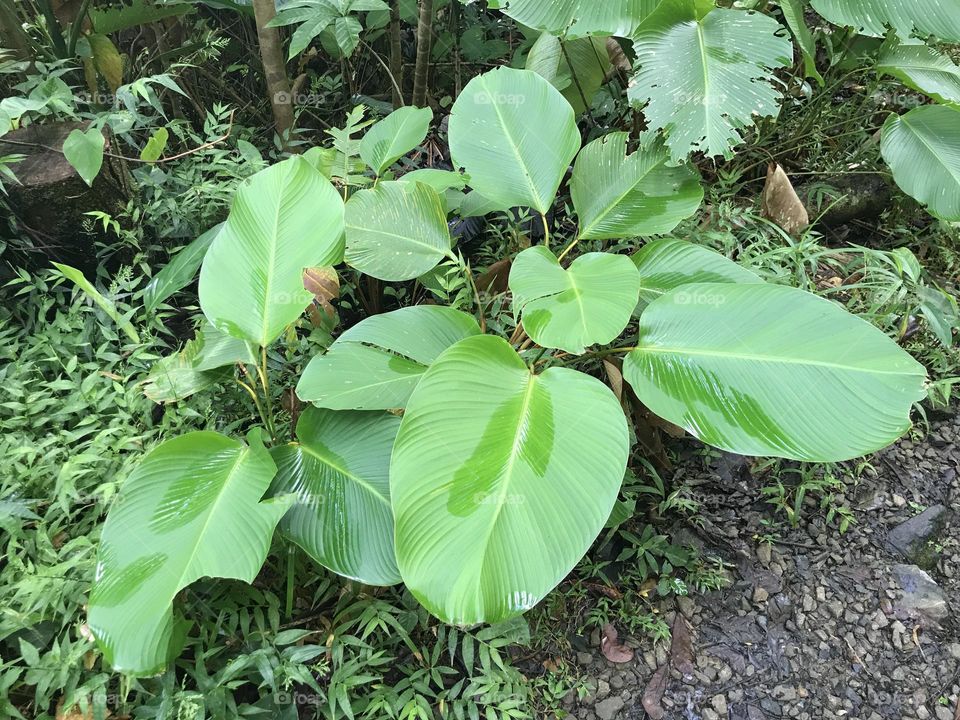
(344,472)
(770,359)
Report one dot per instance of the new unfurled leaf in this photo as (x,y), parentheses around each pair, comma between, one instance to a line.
(501,480)
(338,471)
(284,220)
(376,364)
(190,509)
(589,303)
(620,195)
(761,369)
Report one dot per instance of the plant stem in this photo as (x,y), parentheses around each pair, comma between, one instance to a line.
(546,231)
(291,555)
(465,267)
(569,247)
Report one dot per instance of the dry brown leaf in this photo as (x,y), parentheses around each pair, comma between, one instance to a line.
(324,284)
(615,376)
(495,279)
(681,646)
(780,201)
(654,691)
(614,651)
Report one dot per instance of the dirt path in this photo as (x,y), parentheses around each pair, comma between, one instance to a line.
(819,625)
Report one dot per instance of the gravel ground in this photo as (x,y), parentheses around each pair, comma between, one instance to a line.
(818,625)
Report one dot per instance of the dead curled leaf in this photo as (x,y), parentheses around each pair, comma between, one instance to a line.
(780,202)
(681,646)
(613,650)
(324,284)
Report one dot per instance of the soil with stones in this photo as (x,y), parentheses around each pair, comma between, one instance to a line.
(816,624)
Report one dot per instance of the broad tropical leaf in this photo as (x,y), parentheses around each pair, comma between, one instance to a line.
(393,137)
(205,361)
(397,230)
(924,69)
(515,135)
(338,471)
(576,18)
(588,304)
(180,271)
(577,68)
(922,149)
(793,13)
(500,480)
(907,17)
(376,364)
(284,219)
(190,509)
(771,370)
(617,195)
(84,151)
(667,264)
(693,87)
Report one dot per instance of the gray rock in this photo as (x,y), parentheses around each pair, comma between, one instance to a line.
(909,539)
(719,703)
(922,597)
(609,708)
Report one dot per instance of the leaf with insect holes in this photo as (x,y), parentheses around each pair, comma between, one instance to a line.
(694,87)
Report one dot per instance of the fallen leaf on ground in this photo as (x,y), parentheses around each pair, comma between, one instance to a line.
(681,646)
(614,651)
(653,694)
(780,202)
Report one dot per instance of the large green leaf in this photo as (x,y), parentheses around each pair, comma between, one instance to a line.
(924,69)
(577,18)
(180,271)
(577,68)
(515,135)
(872,17)
(922,149)
(705,78)
(667,264)
(589,303)
(394,136)
(397,230)
(500,480)
(284,219)
(339,472)
(771,370)
(204,362)
(376,364)
(617,195)
(190,509)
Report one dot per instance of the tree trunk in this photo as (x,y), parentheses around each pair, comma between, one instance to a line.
(396,55)
(274,67)
(424,40)
(12,35)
